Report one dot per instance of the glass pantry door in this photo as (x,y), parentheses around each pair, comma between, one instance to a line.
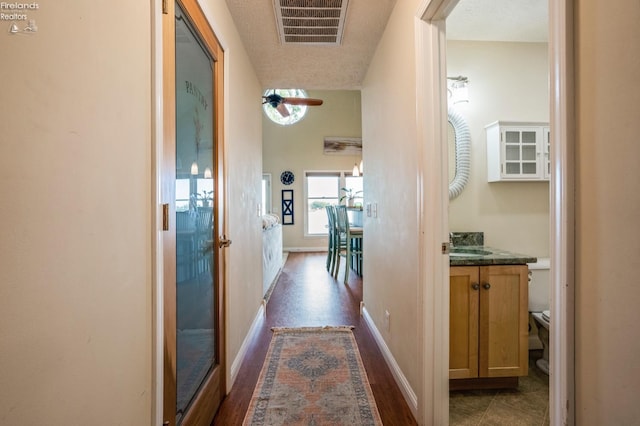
(194,377)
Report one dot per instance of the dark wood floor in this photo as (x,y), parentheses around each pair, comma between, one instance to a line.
(306,295)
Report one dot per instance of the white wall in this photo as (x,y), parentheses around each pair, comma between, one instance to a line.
(299,148)
(508,82)
(607,212)
(390,180)
(75,245)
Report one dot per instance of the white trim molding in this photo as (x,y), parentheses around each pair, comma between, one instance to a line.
(398,375)
(433,205)
(305,249)
(157,116)
(562,220)
(242,352)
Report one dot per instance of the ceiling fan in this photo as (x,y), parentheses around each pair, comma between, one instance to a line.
(278,102)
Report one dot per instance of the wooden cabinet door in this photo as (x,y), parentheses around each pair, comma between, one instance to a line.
(463,321)
(503,321)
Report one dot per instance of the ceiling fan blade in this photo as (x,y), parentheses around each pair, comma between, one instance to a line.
(302,101)
(282,109)
(278,102)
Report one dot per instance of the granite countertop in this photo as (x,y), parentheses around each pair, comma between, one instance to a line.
(484,255)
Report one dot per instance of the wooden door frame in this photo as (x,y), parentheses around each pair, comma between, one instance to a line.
(164,137)
(431,112)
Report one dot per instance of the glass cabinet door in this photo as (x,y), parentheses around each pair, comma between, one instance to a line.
(520,152)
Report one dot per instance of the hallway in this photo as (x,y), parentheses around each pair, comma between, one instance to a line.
(306,295)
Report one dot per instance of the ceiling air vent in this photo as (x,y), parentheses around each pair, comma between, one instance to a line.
(310,21)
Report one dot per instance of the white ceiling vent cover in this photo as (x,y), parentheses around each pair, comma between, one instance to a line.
(310,21)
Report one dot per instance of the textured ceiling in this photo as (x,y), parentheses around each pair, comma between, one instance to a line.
(499,20)
(344,66)
(308,66)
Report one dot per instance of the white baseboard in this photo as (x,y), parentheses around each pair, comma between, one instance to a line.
(398,375)
(237,362)
(306,249)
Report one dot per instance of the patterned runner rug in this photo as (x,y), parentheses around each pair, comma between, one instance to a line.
(312,376)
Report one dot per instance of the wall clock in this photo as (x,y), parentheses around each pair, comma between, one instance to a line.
(287,177)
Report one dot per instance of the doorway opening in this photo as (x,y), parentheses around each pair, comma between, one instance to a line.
(432,74)
(500,59)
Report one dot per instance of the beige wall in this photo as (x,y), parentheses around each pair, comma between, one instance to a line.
(607,212)
(390,180)
(243,131)
(75,174)
(299,148)
(75,246)
(508,82)
(76,312)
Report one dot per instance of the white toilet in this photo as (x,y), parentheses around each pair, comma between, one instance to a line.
(539,307)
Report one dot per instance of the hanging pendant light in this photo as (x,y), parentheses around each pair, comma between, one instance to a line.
(355,171)
(207,173)
(194,168)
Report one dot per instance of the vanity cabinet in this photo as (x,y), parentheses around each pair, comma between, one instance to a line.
(488,322)
(518,151)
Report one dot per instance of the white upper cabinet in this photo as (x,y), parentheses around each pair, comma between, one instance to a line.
(517,151)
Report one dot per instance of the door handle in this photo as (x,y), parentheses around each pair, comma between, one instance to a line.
(224,242)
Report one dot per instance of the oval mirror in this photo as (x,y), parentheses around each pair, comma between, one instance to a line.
(460,149)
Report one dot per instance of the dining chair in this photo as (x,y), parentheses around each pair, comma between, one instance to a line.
(204,235)
(185,246)
(349,243)
(331,235)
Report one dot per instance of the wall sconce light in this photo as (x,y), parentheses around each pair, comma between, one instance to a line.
(457,89)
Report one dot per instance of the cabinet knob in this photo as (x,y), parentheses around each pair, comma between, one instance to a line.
(486,286)
(475,286)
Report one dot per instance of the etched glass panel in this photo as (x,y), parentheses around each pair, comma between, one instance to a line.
(529,137)
(195,199)
(529,168)
(512,153)
(513,168)
(529,152)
